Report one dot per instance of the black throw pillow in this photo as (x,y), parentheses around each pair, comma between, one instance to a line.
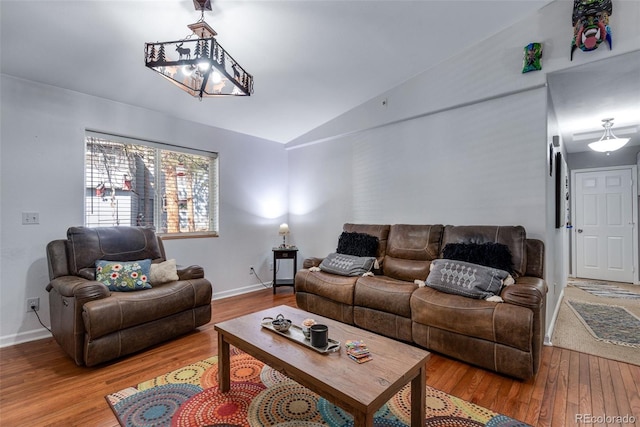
(357,244)
(490,254)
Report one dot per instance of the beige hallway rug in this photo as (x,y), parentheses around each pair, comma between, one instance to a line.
(569,331)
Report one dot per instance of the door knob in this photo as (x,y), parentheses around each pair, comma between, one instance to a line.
(579,230)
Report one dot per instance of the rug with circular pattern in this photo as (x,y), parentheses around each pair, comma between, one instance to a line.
(261,396)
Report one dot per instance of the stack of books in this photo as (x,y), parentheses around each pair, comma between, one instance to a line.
(358,351)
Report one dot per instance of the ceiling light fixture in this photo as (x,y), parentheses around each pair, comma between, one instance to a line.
(199,66)
(609,142)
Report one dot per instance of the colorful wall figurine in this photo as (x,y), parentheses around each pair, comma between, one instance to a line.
(532,56)
(590,24)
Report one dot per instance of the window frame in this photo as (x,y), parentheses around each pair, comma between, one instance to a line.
(158,147)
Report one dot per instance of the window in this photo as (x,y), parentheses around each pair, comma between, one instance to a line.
(134,182)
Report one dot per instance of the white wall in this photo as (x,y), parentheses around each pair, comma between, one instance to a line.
(592,159)
(432,170)
(464,142)
(42,158)
(490,68)
(557,244)
(320,188)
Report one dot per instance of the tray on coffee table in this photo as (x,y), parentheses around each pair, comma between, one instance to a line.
(294,333)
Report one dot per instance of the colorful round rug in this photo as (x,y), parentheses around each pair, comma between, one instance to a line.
(440,406)
(243,367)
(447,421)
(261,396)
(271,377)
(212,407)
(190,374)
(284,402)
(338,417)
(155,406)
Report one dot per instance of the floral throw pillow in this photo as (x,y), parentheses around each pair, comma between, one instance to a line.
(124,276)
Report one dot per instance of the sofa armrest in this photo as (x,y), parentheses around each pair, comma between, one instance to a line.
(528,292)
(311,262)
(79,287)
(535,258)
(191,272)
(68,295)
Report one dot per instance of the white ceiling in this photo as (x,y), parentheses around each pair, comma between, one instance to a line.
(584,95)
(312,60)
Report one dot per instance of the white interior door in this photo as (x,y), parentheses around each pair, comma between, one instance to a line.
(604,225)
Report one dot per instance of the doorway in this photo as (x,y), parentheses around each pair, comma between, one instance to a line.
(605,234)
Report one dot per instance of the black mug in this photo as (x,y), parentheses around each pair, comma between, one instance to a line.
(319,335)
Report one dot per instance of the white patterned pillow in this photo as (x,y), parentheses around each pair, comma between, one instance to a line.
(466,279)
(347,265)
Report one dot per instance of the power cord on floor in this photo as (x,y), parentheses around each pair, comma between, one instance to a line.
(33,308)
(259,279)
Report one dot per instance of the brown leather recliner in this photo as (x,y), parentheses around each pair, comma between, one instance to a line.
(94,325)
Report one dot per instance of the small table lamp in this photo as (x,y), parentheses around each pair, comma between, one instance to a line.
(284,230)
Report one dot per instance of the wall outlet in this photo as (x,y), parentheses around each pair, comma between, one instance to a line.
(33,304)
(29,218)
(271,266)
(251,270)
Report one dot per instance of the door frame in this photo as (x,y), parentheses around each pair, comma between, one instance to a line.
(634,216)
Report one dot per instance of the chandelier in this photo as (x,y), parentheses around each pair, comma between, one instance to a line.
(199,65)
(609,142)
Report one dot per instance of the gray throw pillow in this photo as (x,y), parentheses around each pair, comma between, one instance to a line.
(466,279)
(347,265)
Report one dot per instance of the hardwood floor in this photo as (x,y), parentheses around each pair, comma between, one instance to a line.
(41,386)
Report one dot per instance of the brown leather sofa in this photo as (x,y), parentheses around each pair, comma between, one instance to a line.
(94,325)
(503,337)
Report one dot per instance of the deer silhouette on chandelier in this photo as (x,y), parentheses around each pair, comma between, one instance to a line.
(183,51)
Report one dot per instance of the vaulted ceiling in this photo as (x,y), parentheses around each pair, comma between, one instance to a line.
(312,60)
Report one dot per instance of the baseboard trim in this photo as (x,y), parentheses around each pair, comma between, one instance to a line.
(240,291)
(23,337)
(552,324)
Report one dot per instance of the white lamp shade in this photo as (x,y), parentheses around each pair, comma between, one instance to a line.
(284,229)
(606,145)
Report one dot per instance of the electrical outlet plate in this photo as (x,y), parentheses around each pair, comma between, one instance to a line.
(33,302)
(251,270)
(30,218)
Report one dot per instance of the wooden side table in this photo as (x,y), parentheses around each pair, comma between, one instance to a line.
(284,253)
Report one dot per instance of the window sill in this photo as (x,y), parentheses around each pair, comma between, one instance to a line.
(196,235)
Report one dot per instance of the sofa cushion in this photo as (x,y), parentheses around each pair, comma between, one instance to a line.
(86,245)
(330,286)
(123,310)
(163,272)
(507,324)
(465,279)
(124,276)
(384,294)
(514,237)
(347,265)
(377,230)
(410,250)
(357,244)
(495,255)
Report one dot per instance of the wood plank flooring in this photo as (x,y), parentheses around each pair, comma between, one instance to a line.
(41,386)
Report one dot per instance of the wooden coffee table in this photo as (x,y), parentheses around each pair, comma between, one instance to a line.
(360,389)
